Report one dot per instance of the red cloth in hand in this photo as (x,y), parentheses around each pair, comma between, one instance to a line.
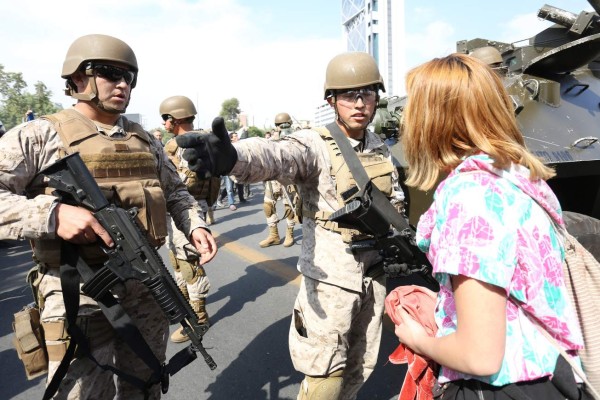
(419,303)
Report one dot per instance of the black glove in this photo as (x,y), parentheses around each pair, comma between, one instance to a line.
(209,155)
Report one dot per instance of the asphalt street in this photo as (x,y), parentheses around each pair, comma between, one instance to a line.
(250,301)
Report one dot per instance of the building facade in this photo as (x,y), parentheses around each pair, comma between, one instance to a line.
(377,27)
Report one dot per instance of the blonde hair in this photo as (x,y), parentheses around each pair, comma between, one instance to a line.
(457,106)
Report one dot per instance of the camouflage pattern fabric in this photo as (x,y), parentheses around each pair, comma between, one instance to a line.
(84,380)
(274,192)
(28,148)
(344,333)
(302,158)
(24,151)
(337,316)
(177,240)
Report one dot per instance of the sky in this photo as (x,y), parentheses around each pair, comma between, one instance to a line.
(269,54)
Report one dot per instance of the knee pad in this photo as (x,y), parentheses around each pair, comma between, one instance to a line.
(322,388)
(173,261)
(190,272)
(269,209)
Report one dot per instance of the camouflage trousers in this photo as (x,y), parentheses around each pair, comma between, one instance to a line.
(273,193)
(85,380)
(337,329)
(177,244)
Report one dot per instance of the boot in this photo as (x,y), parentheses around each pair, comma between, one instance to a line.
(272,239)
(199,306)
(210,216)
(289,237)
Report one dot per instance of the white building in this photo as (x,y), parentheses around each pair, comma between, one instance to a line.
(375,27)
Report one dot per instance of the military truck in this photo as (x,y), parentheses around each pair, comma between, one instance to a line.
(554,83)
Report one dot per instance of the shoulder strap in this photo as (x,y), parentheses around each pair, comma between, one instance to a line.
(364,183)
(72,267)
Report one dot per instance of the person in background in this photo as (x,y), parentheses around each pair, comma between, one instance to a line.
(336,322)
(239,187)
(29,116)
(178,114)
(2,129)
(491,237)
(274,191)
(100,73)
(158,135)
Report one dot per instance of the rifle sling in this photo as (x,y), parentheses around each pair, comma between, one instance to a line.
(72,268)
(362,180)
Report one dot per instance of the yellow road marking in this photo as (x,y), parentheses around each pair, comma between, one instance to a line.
(262,261)
(273,267)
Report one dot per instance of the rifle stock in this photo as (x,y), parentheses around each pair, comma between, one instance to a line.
(132,256)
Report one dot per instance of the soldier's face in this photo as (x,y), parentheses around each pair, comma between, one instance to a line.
(356,107)
(113,93)
(169,125)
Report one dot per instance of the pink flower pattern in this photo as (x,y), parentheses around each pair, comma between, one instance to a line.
(492,225)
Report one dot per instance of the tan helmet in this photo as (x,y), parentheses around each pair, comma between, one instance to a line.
(97,47)
(283,118)
(352,70)
(179,107)
(488,54)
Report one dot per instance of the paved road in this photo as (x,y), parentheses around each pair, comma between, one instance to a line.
(253,291)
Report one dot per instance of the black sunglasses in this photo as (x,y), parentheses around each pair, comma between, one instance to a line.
(165,117)
(115,74)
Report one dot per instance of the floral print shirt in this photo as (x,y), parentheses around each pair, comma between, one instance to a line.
(493,225)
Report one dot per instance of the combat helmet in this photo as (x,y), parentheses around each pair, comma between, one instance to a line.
(488,54)
(95,47)
(179,107)
(283,118)
(352,70)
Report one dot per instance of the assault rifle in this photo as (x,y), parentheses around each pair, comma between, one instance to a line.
(401,256)
(132,256)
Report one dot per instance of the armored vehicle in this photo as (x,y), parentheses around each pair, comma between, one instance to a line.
(554,83)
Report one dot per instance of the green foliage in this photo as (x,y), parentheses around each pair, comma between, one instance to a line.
(230,111)
(254,131)
(166,136)
(15,101)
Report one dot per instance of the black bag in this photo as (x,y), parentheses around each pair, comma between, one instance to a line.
(561,387)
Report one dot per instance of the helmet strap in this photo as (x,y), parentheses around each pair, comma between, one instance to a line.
(90,92)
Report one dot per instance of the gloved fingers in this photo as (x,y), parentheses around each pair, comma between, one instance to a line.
(190,155)
(190,140)
(196,163)
(219,129)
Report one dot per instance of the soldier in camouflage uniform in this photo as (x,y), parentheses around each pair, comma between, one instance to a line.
(132,169)
(336,324)
(274,191)
(178,114)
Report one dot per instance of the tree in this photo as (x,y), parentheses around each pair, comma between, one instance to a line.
(254,131)
(15,101)
(230,111)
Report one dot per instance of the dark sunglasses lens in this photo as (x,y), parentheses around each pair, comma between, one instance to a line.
(165,117)
(115,74)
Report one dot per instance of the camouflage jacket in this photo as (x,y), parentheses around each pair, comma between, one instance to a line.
(28,148)
(302,158)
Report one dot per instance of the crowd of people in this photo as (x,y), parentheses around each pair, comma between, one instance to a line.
(491,233)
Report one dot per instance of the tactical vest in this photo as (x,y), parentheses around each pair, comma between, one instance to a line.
(379,169)
(124,168)
(200,189)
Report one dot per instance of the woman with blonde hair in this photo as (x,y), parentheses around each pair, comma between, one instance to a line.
(490,235)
